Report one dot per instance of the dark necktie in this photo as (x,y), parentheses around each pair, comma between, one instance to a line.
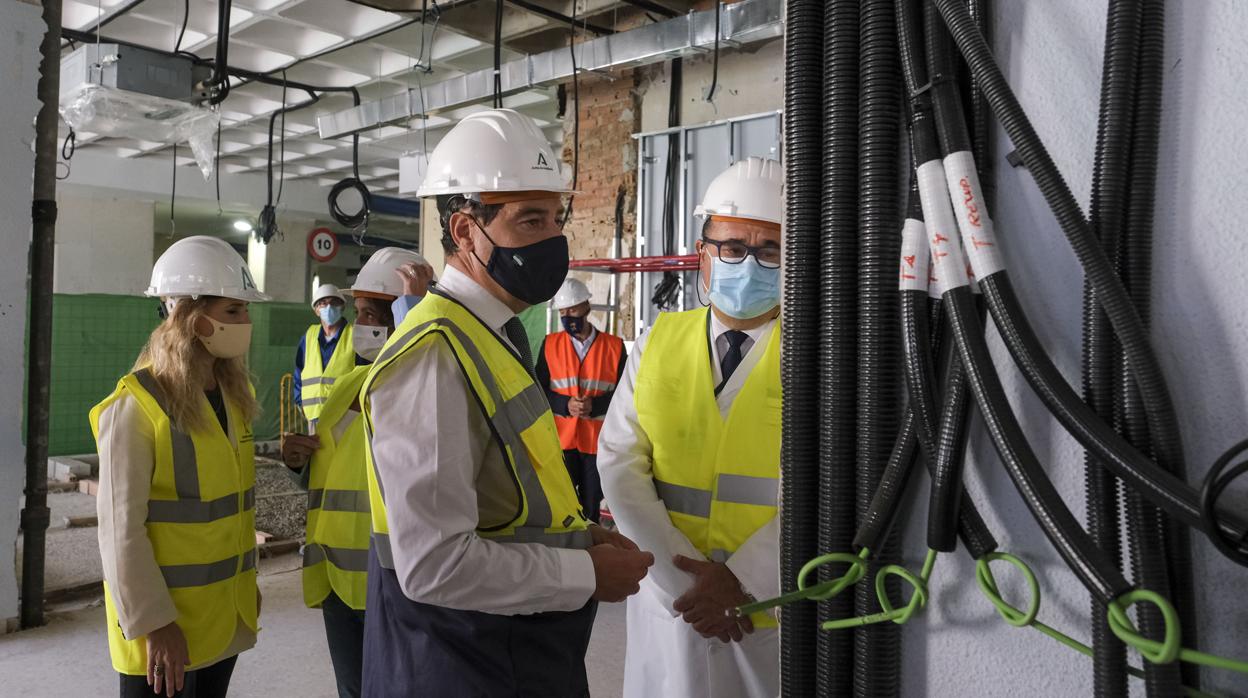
(732,357)
(520,339)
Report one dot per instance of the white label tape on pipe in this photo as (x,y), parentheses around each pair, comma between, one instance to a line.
(914,256)
(942,227)
(978,236)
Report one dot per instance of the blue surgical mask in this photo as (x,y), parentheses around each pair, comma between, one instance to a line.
(744,290)
(330,314)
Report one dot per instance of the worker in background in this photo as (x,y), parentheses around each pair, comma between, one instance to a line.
(318,363)
(690,458)
(483,570)
(333,466)
(176,503)
(579,368)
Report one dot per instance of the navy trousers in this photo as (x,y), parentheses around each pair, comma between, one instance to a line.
(415,649)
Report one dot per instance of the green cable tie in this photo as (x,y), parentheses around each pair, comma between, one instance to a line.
(817,592)
(899,616)
(1170,648)
(1015,617)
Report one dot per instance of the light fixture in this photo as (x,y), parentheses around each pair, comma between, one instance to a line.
(242,226)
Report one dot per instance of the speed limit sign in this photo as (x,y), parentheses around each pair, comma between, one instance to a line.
(322,244)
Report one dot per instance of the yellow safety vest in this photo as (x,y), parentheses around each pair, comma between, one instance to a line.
(316,380)
(335,556)
(546,506)
(718,478)
(201,521)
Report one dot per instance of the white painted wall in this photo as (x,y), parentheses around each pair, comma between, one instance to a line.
(1051,52)
(103,243)
(21,30)
(281,267)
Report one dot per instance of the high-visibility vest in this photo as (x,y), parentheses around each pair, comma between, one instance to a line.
(201,521)
(594,376)
(546,506)
(719,478)
(335,556)
(317,377)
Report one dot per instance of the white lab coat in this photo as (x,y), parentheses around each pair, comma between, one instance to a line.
(665,655)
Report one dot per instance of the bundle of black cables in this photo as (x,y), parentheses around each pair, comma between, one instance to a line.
(359,219)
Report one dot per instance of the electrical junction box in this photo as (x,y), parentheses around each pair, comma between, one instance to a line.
(134,70)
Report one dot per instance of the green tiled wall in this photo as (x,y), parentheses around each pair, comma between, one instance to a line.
(96,338)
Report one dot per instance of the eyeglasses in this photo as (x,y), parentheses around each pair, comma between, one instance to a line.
(735,252)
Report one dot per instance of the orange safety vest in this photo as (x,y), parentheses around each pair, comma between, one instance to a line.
(597,375)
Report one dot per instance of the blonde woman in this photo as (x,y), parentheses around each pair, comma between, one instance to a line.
(177,499)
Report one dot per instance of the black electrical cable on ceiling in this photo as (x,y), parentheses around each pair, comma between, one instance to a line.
(267,227)
(799,453)
(186,15)
(498,54)
(173,189)
(576,115)
(667,291)
(216,167)
(877,647)
(1159,485)
(1108,206)
(835,319)
(710,93)
(220,70)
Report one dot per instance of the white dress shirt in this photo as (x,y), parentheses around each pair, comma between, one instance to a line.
(626,467)
(582,347)
(436,459)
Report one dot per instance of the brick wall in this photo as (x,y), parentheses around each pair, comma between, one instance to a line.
(610,113)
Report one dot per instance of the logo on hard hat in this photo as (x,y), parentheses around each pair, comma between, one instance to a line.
(541,163)
(248,282)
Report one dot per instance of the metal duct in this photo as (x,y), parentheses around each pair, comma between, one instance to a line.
(742,23)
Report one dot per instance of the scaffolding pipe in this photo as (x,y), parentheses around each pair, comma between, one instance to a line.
(35,514)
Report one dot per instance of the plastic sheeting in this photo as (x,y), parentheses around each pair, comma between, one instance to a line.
(109,111)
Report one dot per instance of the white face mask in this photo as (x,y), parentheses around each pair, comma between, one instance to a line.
(369,339)
(227,341)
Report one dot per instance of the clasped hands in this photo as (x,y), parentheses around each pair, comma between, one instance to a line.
(710,605)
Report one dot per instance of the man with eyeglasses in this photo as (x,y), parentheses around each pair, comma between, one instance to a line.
(690,458)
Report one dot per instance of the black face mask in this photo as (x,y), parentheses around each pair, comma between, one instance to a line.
(532,273)
(574,325)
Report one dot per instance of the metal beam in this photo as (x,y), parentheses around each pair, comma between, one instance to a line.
(742,23)
(558,16)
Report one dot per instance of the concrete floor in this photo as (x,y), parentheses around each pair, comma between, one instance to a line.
(69,656)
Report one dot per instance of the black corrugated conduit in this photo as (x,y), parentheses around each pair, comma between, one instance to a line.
(1038,492)
(799,464)
(877,647)
(1160,548)
(838,327)
(1110,174)
(1160,486)
(1096,264)
(1137,470)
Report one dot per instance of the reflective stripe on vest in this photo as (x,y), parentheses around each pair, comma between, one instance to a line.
(318,377)
(593,376)
(718,476)
(519,417)
(335,558)
(200,523)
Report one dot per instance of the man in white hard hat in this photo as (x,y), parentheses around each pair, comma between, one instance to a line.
(483,570)
(333,468)
(325,353)
(690,458)
(579,369)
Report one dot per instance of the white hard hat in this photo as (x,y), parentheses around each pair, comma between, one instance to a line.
(571,293)
(500,150)
(203,266)
(379,275)
(750,188)
(327,291)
